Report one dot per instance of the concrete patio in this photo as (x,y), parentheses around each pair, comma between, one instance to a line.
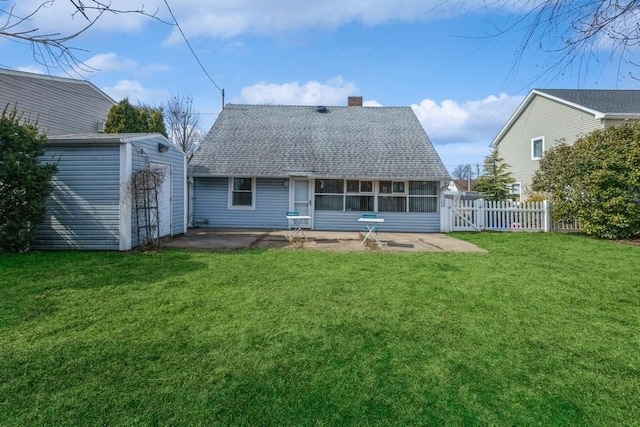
(221,239)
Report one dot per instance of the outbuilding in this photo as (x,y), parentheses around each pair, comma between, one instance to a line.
(113,191)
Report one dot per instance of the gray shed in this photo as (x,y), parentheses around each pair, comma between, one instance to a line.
(92,204)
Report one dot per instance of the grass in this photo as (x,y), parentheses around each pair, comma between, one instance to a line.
(542,330)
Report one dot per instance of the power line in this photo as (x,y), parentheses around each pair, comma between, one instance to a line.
(191,48)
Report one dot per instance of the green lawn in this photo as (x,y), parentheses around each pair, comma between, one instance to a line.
(542,330)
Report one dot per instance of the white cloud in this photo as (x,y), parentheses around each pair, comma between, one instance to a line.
(371,103)
(470,121)
(108,62)
(226,18)
(223,18)
(104,62)
(463,131)
(32,69)
(136,93)
(334,92)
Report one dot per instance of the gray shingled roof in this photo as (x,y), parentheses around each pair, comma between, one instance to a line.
(604,101)
(60,105)
(343,142)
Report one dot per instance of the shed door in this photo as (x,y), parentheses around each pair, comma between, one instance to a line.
(164,199)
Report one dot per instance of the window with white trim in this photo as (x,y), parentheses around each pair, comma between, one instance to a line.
(242,193)
(362,195)
(537,148)
(516,188)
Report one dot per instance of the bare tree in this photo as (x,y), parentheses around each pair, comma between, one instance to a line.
(52,49)
(577,31)
(183,123)
(462,172)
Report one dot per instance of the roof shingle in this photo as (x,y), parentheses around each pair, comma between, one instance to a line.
(343,142)
(602,100)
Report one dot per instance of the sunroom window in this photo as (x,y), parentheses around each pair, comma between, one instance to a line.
(356,198)
(363,195)
(329,194)
(423,196)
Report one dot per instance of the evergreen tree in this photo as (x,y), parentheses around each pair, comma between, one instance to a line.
(126,118)
(25,182)
(123,118)
(154,120)
(495,183)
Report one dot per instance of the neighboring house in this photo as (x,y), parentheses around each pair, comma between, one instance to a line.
(59,105)
(91,205)
(464,184)
(331,163)
(548,116)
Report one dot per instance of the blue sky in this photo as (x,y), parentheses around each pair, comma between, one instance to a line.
(436,56)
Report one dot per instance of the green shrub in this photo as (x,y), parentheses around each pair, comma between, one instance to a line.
(24,181)
(596,180)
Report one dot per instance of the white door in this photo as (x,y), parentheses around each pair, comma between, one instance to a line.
(301,200)
(164,199)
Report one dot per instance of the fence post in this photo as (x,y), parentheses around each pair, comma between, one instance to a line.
(546,215)
(480,213)
(446,213)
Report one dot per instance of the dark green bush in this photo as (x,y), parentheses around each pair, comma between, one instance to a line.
(596,180)
(24,181)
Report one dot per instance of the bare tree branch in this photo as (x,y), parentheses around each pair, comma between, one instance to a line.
(577,32)
(51,49)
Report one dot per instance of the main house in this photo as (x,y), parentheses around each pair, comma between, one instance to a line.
(331,163)
(548,116)
(91,206)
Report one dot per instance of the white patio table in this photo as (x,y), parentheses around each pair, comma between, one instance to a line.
(298,220)
(372,229)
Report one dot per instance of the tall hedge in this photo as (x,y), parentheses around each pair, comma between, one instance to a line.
(24,181)
(126,118)
(596,180)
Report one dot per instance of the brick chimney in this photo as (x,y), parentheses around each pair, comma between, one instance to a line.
(354,101)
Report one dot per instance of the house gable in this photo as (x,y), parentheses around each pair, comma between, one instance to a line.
(548,116)
(60,105)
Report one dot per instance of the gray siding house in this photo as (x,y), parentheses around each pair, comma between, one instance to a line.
(91,206)
(548,116)
(331,163)
(60,105)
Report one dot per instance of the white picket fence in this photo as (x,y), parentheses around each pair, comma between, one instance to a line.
(478,215)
